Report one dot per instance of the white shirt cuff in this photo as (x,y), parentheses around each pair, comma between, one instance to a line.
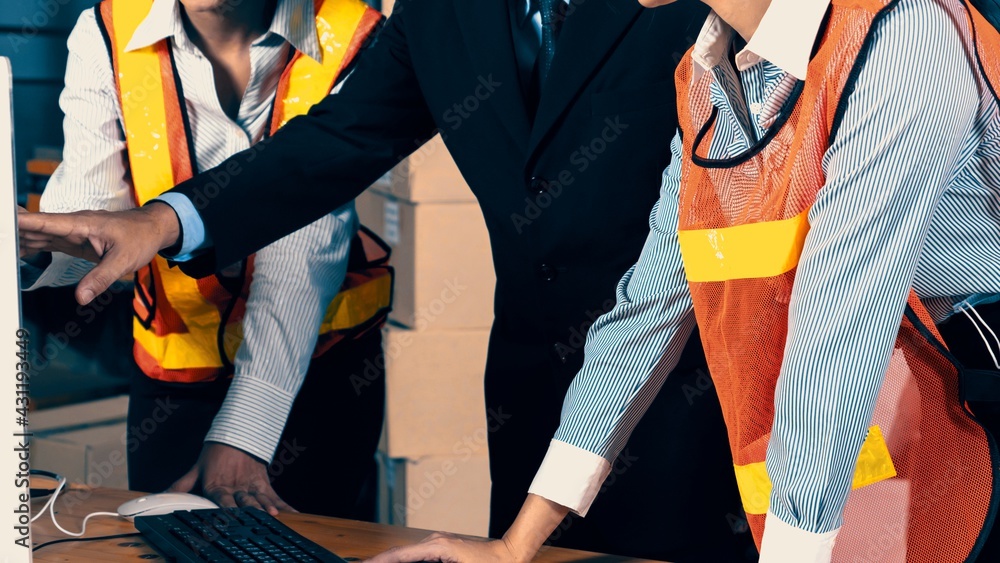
(783,543)
(570,476)
(252,417)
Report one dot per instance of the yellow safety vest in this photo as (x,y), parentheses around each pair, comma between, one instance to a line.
(187,329)
(923,482)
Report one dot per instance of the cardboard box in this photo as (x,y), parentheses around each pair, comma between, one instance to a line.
(92,413)
(85,442)
(434,392)
(430,175)
(441,252)
(441,493)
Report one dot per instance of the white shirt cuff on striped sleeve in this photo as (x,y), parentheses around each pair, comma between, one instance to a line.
(570,476)
(252,417)
(783,543)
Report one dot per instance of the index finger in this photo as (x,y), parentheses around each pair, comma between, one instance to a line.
(57,224)
(110,268)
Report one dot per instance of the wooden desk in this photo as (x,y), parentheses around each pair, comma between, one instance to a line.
(347,538)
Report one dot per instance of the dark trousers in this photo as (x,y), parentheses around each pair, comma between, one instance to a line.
(325,463)
(672,493)
(965,343)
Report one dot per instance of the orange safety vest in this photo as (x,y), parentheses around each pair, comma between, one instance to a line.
(186,329)
(923,484)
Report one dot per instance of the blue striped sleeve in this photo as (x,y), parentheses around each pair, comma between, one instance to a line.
(631,349)
(897,148)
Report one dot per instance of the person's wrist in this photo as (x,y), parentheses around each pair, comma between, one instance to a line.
(519,552)
(166,223)
(538,518)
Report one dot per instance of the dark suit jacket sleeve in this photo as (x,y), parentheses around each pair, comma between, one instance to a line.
(317,162)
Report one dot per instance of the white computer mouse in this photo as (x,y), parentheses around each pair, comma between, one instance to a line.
(163,503)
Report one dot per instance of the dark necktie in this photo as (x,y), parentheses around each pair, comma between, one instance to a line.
(552,18)
(534,54)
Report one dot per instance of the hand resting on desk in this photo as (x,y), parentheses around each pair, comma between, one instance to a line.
(231,477)
(537,520)
(449,548)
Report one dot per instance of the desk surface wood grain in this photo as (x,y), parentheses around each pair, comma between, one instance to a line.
(347,538)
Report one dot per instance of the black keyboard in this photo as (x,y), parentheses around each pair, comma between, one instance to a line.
(218,535)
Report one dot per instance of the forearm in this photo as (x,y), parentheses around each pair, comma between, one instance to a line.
(628,355)
(534,524)
(294,281)
(884,178)
(253,416)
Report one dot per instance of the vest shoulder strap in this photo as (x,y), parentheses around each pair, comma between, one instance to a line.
(342,28)
(148,93)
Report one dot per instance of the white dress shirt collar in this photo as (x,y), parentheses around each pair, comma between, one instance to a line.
(294,20)
(785,37)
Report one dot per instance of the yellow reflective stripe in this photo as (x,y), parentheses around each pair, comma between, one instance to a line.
(756,250)
(196,348)
(180,350)
(874,465)
(142,101)
(311,81)
(874,461)
(354,306)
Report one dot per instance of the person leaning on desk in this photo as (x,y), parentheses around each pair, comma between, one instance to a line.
(833,195)
(553,111)
(223,415)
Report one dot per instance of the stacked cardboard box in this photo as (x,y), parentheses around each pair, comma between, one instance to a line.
(435,471)
(441,250)
(86,442)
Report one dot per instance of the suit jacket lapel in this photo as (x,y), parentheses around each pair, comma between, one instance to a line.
(486,29)
(591,29)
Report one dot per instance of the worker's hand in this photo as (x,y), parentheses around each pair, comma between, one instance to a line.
(119,242)
(538,518)
(231,477)
(24,252)
(449,548)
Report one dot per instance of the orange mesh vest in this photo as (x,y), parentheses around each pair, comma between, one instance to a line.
(186,329)
(923,483)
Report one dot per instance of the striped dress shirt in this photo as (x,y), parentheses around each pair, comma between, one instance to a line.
(910,200)
(294,279)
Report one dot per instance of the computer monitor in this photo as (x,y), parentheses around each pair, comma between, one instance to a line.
(14,507)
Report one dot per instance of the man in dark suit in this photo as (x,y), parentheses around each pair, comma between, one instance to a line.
(559,121)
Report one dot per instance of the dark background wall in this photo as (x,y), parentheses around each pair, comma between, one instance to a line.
(33,36)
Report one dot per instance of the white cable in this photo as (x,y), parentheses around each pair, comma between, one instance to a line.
(49,502)
(985,324)
(989,348)
(83,528)
(50,506)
